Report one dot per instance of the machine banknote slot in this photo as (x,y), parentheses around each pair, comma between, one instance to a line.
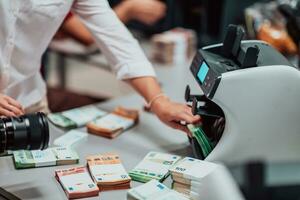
(212,122)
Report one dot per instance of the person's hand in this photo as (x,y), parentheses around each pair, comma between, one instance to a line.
(146,11)
(173,114)
(10,107)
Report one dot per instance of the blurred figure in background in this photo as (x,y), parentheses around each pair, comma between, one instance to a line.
(147,12)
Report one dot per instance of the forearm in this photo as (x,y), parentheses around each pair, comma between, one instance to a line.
(147,87)
(122,11)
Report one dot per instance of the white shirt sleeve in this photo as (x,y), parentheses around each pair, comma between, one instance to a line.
(115,41)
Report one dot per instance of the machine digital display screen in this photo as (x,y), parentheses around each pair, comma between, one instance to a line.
(203,70)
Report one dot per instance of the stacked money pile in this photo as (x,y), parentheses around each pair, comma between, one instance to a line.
(76,117)
(201,138)
(154,166)
(108,172)
(115,123)
(174,46)
(187,175)
(153,190)
(76,182)
(49,157)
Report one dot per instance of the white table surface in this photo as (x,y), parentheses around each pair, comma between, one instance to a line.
(149,135)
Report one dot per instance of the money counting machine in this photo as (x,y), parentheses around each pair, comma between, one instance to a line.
(250,107)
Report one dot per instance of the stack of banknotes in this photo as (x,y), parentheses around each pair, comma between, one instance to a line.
(76,182)
(187,175)
(42,158)
(201,138)
(154,190)
(154,166)
(174,46)
(115,123)
(108,172)
(76,117)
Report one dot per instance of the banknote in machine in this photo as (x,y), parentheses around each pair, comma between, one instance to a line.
(70,138)
(76,117)
(108,171)
(201,138)
(153,190)
(115,123)
(155,165)
(76,182)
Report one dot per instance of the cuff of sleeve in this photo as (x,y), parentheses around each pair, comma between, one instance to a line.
(135,70)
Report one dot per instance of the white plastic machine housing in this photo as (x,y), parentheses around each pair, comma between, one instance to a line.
(261,106)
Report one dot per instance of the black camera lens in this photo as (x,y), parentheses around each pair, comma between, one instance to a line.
(25,132)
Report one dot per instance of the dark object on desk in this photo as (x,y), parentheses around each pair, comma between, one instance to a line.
(4,195)
(60,99)
(25,132)
(268,181)
(292,15)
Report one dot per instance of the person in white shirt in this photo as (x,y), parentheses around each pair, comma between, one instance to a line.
(26,28)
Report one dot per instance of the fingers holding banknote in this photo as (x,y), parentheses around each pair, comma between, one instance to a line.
(174,114)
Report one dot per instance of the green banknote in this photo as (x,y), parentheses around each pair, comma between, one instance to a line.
(61,121)
(23,159)
(76,117)
(155,165)
(42,158)
(201,138)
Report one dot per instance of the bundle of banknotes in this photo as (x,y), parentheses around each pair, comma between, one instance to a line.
(42,158)
(174,46)
(187,175)
(108,172)
(201,138)
(76,117)
(115,123)
(154,190)
(76,182)
(154,166)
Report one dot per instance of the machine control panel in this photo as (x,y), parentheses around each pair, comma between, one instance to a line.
(206,77)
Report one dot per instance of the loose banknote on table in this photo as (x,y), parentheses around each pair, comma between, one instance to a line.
(108,172)
(76,117)
(187,175)
(42,158)
(154,190)
(154,166)
(70,138)
(76,182)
